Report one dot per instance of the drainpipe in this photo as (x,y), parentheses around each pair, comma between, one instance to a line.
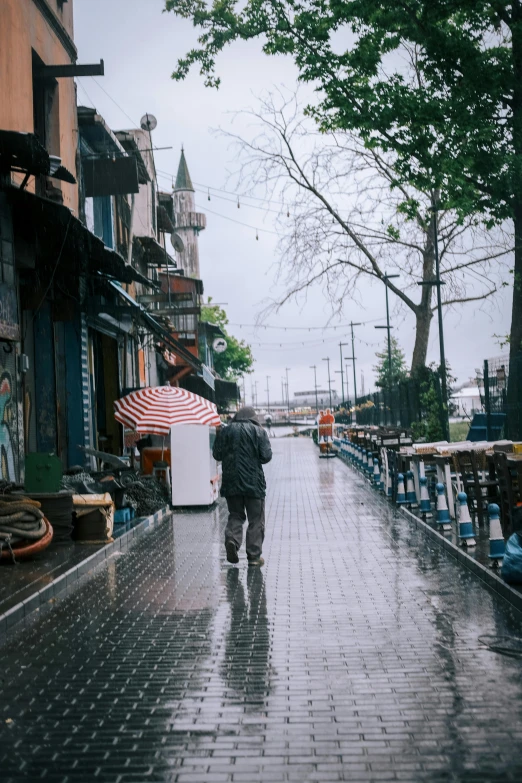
(131,234)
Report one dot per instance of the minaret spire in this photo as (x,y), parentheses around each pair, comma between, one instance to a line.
(188,222)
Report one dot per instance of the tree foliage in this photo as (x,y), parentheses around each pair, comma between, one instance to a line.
(435,83)
(399,371)
(431,80)
(237,360)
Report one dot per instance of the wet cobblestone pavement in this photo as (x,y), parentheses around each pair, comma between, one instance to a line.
(354,654)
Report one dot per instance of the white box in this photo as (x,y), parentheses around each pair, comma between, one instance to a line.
(195,474)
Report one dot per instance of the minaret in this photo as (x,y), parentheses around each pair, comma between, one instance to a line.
(188,222)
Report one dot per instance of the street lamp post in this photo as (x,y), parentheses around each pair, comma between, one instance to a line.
(314,368)
(354,374)
(437,282)
(329,380)
(385,279)
(287,392)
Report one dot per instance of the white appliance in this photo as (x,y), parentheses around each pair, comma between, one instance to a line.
(195,475)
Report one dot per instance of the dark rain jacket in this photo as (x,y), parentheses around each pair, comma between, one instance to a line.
(243,447)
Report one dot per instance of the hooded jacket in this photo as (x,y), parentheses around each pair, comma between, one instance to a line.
(243,447)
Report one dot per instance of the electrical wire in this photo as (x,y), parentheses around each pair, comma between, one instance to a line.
(303,328)
(136,124)
(240,222)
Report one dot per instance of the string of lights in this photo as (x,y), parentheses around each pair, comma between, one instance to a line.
(301,328)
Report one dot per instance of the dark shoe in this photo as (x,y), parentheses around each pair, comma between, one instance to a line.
(231,552)
(256,561)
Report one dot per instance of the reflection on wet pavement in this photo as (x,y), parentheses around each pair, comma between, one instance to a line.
(354,654)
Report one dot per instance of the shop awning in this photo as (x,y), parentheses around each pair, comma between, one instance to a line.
(61,235)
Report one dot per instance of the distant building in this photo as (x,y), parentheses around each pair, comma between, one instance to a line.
(467,401)
(307,399)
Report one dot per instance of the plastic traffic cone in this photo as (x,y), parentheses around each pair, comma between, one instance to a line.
(443,516)
(497,546)
(466,532)
(425,505)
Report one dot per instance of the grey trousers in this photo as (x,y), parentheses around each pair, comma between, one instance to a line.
(239,507)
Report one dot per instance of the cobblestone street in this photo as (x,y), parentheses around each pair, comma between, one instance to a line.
(354,654)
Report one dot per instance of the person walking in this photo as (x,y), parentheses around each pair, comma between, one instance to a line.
(243,447)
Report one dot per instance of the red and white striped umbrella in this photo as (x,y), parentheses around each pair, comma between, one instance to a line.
(156,409)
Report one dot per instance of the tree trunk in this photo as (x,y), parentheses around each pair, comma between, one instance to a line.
(515,345)
(422,334)
(423,311)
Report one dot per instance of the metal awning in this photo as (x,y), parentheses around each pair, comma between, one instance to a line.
(23,152)
(212,329)
(60,234)
(155,255)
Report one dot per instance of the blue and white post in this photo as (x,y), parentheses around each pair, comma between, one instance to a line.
(364,461)
(411,497)
(369,466)
(376,473)
(497,546)
(466,532)
(425,505)
(443,515)
(401,494)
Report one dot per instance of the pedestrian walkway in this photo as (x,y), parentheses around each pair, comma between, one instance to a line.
(354,654)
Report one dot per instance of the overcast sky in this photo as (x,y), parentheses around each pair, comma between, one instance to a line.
(140,46)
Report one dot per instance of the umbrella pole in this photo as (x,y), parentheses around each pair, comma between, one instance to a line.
(162,447)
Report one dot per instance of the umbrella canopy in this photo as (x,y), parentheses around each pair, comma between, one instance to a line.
(154,410)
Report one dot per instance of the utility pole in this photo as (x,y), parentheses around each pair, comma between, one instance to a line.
(314,368)
(268,393)
(347,388)
(341,346)
(287,392)
(329,381)
(282,392)
(385,279)
(354,374)
(438,282)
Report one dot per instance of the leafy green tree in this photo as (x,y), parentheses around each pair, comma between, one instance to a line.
(438,83)
(237,360)
(399,371)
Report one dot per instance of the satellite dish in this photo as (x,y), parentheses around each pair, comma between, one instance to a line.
(148,122)
(219,345)
(177,242)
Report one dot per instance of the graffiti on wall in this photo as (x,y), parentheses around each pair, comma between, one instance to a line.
(7,421)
